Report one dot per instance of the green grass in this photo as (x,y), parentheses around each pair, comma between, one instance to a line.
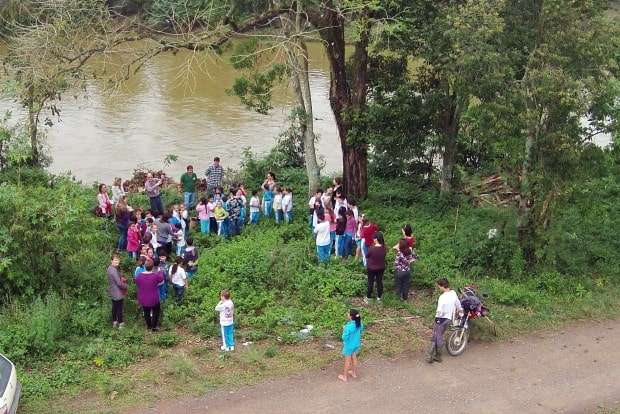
(278,288)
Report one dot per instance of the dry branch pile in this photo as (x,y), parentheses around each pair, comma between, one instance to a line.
(492,190)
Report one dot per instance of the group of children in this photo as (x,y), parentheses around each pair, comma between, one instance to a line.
(226,215)
(337,225)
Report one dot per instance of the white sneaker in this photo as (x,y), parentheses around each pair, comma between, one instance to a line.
(378,300)
(224,348)
(366,300)
(232,348)
(114,325)
(121,325)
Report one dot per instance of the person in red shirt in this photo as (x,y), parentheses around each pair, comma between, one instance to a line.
(408,236)
(367,234)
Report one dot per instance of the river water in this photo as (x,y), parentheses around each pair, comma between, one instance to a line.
(177,104)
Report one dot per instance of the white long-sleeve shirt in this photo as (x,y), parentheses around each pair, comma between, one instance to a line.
(287,203)
(226,309)
(322,233)
(117,194)
(447,304)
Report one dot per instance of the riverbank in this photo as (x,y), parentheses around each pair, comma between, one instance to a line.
(68,356)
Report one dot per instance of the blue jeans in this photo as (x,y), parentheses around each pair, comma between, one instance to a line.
(156,205)
(228,335)
(189,199)
(288,216)
(242,215)
(234,227)
(279,216)
(332,237)
(180,250)
(267,207)
(341,245)
(204,226)
(349,245)
(122,237)
(163,291)
(179,292)
(364,252)
(224,227)
(254,216)
(323,252)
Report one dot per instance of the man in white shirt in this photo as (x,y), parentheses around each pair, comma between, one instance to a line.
(447,305)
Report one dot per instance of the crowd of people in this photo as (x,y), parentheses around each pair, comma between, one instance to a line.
(340,231)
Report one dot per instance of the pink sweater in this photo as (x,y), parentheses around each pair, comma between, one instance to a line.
(133,239)
(202,212)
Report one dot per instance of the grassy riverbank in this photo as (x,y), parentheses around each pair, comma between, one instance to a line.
(55,322)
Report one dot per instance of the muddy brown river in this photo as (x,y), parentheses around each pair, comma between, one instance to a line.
(177,104)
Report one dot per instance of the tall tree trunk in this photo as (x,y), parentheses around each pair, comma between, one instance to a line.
(298,60)
(301,87)
(525,226)
(449,130)
(33,131)
(347,94)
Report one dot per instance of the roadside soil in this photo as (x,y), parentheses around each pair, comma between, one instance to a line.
(572,370)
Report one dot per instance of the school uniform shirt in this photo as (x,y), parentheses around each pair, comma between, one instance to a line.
(447,304)
(254,205)
(179,277)
(117,194)
(287,203)
(277,202)
(322,234)
(356,212)
(226,309)
(340,203)
(210,209)
(313,200)
(180,238)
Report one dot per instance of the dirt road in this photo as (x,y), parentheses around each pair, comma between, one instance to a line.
(569,371)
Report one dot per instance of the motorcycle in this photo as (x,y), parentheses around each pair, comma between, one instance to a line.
(458,335)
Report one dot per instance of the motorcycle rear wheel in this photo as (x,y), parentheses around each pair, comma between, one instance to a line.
(457,341)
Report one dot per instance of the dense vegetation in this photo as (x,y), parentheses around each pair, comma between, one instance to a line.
(60,312)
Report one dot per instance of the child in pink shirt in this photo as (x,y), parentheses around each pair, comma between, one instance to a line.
(133,240)
(203,215)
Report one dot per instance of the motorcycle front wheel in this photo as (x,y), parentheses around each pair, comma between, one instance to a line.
(457,341)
